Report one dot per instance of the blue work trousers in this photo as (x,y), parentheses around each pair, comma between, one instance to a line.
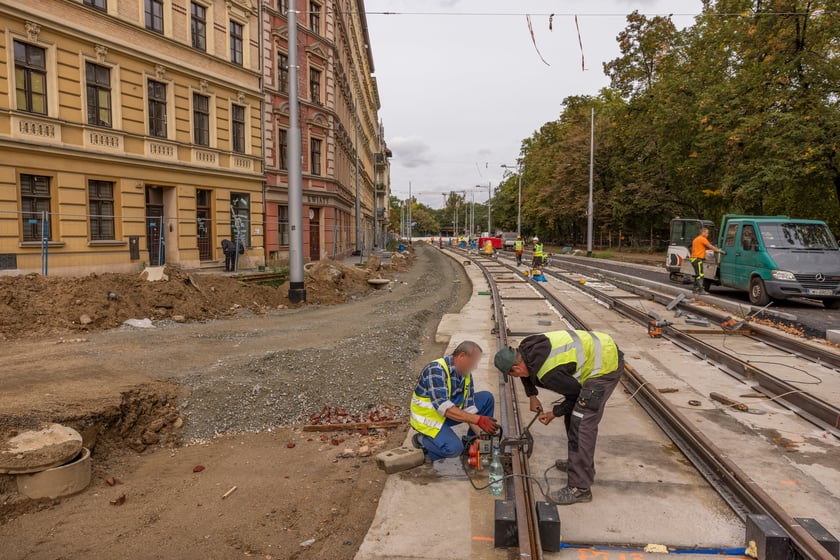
(447,443)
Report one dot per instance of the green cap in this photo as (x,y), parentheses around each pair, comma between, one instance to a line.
(505,360)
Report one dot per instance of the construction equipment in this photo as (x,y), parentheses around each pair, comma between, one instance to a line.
(656,324)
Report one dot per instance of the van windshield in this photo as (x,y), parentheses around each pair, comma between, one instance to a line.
(794,235)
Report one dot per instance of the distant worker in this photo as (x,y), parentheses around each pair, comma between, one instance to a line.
(538,254)
(229,249)
(518,246)
(699,246)
(582,366)
(444,397)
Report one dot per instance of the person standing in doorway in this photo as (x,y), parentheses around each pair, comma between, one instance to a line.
(229,249)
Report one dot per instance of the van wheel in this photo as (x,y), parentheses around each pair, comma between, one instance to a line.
(758,294)
(831,303)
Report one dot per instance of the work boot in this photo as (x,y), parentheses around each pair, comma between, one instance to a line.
(570,495)
(417,442)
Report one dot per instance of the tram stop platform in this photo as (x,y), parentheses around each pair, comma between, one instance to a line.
(645,491)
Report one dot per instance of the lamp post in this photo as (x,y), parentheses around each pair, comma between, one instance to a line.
(518,197)
(590,207)
(297,288)
(489,188)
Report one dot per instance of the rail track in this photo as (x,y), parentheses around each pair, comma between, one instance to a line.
(734,485)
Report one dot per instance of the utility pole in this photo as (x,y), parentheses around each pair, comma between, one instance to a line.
(489,195)
(519,204)
(410,204)
(297,290)
(590,206)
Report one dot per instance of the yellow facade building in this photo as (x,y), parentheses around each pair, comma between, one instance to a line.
(130,134)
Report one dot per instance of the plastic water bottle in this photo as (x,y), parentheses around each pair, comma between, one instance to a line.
(497,472)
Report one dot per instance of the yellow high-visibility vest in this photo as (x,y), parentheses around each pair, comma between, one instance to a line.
(518,245)
(424,416)
(595,353)
(538,250)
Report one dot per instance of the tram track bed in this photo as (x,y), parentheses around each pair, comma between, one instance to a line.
(787,456)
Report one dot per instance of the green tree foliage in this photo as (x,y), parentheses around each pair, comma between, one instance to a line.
(736,113)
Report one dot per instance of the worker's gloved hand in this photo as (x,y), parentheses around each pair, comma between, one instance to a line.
(488,424)
(536,405)
(722,252)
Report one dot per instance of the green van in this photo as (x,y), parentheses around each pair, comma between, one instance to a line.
(776,257)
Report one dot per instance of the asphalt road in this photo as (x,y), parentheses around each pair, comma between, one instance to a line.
(811,316)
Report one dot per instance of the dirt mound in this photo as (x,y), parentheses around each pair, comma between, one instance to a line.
(33,305)
(330,282)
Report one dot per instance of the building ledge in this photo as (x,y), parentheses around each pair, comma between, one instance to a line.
(37,244)
(107,243)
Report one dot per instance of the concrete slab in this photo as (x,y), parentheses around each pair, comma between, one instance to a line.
(833,336)
(38,450)
(798,464)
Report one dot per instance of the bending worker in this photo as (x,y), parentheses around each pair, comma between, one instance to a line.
(699,247)
(582,366)
(445,397)
(518,246)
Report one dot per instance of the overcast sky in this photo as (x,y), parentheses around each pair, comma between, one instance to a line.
(459,93)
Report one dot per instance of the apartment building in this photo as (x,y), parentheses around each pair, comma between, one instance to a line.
(130,133)
(339,104)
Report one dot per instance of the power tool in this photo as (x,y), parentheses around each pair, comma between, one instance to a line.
(656,324)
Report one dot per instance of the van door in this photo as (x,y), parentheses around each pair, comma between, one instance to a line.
(748,256)
(728,262)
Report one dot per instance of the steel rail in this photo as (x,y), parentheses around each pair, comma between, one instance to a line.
(740,491)
(530,546)
(822,414)
(824,356)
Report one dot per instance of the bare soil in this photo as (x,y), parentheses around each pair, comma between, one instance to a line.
(228,395)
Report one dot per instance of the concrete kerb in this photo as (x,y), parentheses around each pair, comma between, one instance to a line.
(440,488)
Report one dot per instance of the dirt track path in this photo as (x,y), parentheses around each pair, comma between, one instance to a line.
(250,373)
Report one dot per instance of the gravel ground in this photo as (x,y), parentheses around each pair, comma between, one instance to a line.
(374,364)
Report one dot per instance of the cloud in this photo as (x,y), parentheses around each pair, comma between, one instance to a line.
(410,151)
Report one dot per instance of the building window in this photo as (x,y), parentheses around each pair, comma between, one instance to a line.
(201,119)
(315,156)
(98,4)
(315,17)
(283,72)
(237,119)
(198,26)
(282,148)
(315,86)
(101,203)
(283,226)
(31,78)
(240,214)
(34,201)
(157,109)
(236,42)
(283,6)
(98,80)
(154,15)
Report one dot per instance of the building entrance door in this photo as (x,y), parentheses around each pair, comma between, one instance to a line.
(155,226)
(314,234)
(204,225)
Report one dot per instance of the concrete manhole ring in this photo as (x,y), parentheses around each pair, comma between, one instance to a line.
(65,480)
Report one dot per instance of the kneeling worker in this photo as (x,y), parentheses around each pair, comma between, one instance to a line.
(445,397)
(582,366)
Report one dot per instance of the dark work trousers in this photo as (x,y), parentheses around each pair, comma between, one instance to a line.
(582,426)
(697,264)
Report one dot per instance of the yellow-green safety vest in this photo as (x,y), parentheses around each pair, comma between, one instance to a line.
(424,416)
(538,249)
(594,353)
(518,245)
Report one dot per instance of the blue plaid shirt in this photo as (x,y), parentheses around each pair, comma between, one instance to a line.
(432,384)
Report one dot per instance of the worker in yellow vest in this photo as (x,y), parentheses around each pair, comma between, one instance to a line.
(444,397)
(538,254)
(584,367)
(518,247)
